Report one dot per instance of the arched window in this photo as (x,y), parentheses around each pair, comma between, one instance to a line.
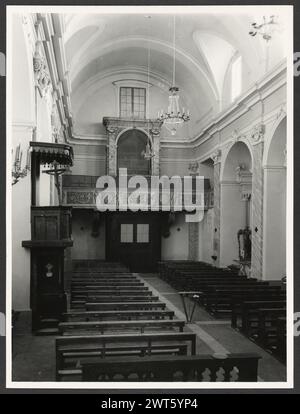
(236,78)
(131,147)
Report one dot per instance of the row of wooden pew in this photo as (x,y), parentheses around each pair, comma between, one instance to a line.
(117,330)
(256,308)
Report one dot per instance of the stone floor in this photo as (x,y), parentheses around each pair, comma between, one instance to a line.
(34,356)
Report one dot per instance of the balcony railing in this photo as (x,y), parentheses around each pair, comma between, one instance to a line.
(79,191)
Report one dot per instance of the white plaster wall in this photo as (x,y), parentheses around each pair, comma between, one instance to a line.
(232,220)
(176,246)
(104,102)
(21,202)
(89,165)
(274,263)
(206,237)
(23,118)
(85,246)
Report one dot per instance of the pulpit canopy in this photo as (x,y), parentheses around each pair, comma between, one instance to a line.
(50,152)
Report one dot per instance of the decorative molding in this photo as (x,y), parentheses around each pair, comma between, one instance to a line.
(79,197)
(194,168)
(41,72)
(28,25)
(258,133)
(281,112)
(216,156)
(237,136)
(277,79)
(116,126)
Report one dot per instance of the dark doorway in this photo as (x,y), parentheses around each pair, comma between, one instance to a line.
(134,239)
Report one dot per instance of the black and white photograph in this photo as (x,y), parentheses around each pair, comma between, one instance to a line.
(149,216)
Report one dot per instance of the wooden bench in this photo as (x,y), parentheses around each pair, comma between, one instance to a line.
(103,275)
(113,298)
(90,288)
(120,314)
(250,316)
(236,367)
(93,283)
(276,301)
(115,292)
(281,338)
(106,279)
(81,347)
(101,326)
(268,325)
(124,306)
(219,300)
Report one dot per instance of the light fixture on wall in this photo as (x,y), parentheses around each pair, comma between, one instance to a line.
(265,29)
(174,117)
(17,171)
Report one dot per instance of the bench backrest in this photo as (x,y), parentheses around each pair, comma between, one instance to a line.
(236,367)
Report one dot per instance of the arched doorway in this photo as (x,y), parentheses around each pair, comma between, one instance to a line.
(132,146)
(274,248)
(236,211)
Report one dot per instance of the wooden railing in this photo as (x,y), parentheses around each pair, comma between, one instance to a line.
(203,368)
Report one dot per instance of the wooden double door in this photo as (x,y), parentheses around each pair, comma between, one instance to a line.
(134,239)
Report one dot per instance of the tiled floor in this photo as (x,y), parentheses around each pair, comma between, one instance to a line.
(34,356)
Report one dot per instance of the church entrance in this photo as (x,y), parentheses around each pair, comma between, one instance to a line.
(134,239)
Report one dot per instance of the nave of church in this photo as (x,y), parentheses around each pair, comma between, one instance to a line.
(149,195)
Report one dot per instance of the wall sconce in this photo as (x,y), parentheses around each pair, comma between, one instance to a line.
(17,171)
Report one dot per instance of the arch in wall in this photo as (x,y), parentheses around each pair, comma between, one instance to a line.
(130,146)
(236,187)
(225,172)
(274,248)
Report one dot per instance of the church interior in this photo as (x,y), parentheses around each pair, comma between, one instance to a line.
(147,296)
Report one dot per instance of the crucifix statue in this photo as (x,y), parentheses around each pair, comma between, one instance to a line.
(56,173)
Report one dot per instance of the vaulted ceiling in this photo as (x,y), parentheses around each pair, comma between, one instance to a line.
(98,46)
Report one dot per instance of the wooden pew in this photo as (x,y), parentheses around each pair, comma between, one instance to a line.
(90,288)
(105,279)
(90,265)
(113,298)
(268,325)
(219,299)
(81,347)
(250,316)
(103,274)
(118,314)
(270,299)
(281,338)
(105,292)
(124,306)
(242,367)
(101,326)
(101,283)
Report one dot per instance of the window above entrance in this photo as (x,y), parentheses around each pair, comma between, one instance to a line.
(133,103)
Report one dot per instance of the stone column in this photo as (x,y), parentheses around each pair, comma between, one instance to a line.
(217,206)
(193,240)
(112,152)
(257,136)
(193,227)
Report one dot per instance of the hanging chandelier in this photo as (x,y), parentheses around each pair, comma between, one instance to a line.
(265,29)
(174,117)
